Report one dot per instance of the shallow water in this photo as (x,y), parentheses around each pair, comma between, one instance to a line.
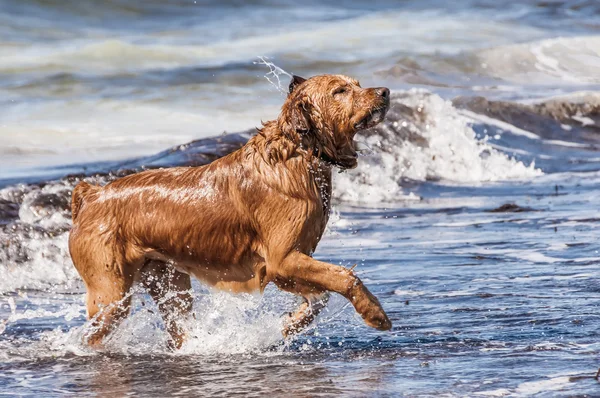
(491,303)
(473,216)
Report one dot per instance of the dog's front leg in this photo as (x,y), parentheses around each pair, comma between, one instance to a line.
(306,270)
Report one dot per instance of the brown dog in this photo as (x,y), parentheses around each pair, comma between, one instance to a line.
(252,217)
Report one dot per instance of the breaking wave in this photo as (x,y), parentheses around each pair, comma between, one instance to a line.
(425,138)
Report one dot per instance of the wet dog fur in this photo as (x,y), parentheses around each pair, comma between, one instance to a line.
(250,218)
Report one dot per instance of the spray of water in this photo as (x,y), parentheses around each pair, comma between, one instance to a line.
(274,75)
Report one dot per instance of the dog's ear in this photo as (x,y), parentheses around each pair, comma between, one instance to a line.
(296,80)
(299,117)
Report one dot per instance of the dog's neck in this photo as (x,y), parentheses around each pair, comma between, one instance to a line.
(274,150)
(282,143)
(306,143)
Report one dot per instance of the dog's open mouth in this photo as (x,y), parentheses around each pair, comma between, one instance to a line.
(374,117)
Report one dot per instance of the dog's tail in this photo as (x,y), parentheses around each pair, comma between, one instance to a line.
(79,193)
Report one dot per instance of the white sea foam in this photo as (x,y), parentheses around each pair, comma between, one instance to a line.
(452,152)
(47,264)
(531,388)
(500,392)
(570,60)
(36,254)
(544,385)
(408,293)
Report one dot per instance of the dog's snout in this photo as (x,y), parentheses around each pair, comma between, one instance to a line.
(383,92)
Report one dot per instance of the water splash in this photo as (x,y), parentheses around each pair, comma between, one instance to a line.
(222,324)
(274,74)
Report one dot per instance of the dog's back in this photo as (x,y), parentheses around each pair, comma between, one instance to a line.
(252,217)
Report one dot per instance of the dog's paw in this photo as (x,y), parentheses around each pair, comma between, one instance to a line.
(369,308)
(378,319)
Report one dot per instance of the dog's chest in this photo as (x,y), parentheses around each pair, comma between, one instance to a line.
(318,215)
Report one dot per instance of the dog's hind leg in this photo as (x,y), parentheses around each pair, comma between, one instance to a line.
(328,277)
(171,290)
(108,299)
(108,270)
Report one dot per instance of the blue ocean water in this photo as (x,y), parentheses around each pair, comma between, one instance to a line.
(473,217)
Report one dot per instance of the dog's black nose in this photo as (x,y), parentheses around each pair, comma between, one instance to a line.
(383,92)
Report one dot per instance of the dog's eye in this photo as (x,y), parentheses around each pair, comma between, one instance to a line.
(341,90)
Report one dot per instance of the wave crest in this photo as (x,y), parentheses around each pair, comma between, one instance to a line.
(425,138)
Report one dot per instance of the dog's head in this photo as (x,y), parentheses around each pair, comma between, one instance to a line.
(330,110)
